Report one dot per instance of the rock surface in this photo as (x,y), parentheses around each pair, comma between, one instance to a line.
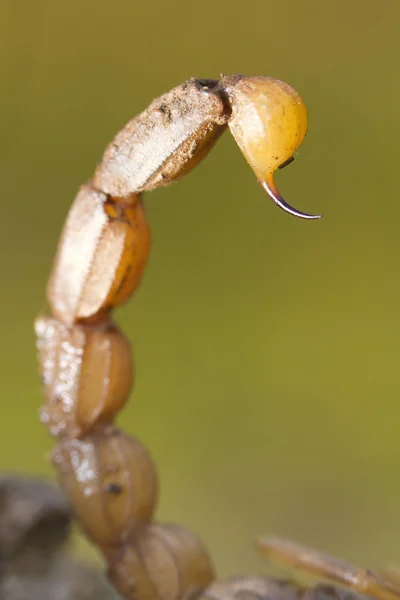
(35,564)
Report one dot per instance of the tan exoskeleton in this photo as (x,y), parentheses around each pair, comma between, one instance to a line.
(109,477)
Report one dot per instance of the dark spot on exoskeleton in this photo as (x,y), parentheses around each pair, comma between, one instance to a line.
(119,210)
(113,488)
(206,85)
(286,163)
(163,108)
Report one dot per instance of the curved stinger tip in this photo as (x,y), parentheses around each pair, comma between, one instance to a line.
(274,194)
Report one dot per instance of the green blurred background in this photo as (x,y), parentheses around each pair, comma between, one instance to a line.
(266,347)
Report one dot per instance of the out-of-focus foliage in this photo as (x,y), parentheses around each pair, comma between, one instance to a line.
(266,347)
